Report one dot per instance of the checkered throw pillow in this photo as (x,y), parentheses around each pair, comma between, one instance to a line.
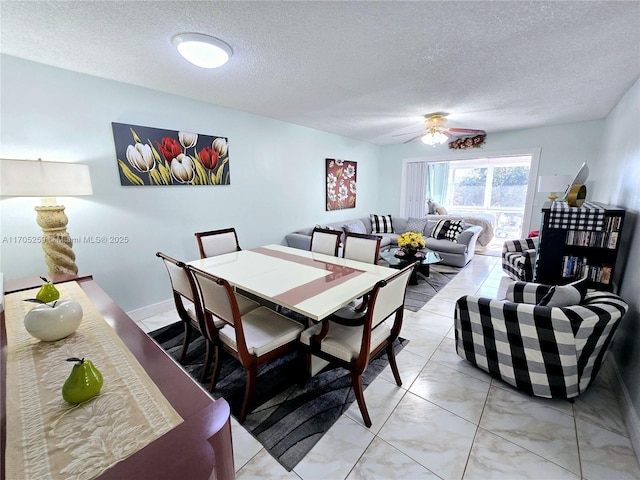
(381,224)
(448,230)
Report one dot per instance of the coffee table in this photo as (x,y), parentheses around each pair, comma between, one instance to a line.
(425,256)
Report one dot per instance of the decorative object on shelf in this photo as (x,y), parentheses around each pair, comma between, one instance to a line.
(576,192)
(553,184)
(410,243)
(202,50)
(577,195)
(463,143)
(84,382)
(169,157)
(53,321)
(341,177)
(28,178)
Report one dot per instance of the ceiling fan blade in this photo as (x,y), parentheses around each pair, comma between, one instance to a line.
(447,134)
(468,130)
(414,138)
(401,134)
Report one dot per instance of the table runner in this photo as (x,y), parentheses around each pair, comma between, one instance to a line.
(48,438)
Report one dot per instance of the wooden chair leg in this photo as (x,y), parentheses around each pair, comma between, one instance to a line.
(391,355)
(356,381)
(208,357)
(252,376)
(217,361)
(188,329)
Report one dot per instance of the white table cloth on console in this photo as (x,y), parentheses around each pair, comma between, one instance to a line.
(312,284)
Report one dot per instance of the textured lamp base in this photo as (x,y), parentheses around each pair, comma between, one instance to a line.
(56,242)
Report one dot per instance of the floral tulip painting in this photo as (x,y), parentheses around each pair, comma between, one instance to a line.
(152,156)
(341,184)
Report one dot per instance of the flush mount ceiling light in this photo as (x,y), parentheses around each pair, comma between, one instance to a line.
(202,50)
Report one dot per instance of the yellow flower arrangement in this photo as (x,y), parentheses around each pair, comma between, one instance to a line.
(411,241)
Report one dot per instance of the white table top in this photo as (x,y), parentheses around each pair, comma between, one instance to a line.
(309,283)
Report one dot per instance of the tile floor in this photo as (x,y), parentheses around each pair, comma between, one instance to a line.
(450,420)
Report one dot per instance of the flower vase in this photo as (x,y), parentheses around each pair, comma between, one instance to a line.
(409,252)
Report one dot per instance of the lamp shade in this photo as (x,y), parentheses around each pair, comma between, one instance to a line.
(434,137)
(35,178)
(553,183)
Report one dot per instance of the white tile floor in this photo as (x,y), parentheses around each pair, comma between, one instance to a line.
(450,420)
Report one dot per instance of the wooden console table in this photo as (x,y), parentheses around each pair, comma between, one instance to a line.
(198,448)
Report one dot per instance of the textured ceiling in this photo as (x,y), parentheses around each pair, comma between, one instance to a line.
(365,70)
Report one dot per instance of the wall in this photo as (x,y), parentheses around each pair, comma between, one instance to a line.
(563,149)
(617,174)
(277,177)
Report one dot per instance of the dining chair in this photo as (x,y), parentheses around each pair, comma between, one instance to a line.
(325,240)
(361,247)
(353,343)
(252,338)
(217,242)
(192,314)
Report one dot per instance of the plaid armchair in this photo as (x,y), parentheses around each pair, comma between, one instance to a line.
(553,352)
(518,258)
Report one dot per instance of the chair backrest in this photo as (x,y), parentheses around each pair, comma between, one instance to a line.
(361,247)
(217,242)
(388,296)
(181,282)
(218,299)
(325,240)
(183,285)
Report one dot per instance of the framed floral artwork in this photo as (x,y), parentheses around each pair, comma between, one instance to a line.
(341,184)
(153,156)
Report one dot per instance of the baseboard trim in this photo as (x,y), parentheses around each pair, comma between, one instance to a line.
(629,414)
(151,310)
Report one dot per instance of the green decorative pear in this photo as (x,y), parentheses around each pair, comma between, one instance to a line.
(84,382)
(48,292)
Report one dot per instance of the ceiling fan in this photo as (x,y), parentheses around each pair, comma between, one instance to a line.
(436,131)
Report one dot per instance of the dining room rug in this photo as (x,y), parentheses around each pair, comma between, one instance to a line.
(288,417)
(427,287)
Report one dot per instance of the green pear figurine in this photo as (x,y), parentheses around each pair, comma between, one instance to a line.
(48,292)
(84,382)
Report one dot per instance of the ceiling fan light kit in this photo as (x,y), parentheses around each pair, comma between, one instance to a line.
(437,133)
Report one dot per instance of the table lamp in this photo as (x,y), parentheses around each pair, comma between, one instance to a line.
(35,178)
(553,184)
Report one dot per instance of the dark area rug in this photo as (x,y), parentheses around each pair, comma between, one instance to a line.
(288,417)
(427,287)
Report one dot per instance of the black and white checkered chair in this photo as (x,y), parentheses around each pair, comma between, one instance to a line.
(552,352)
(518,258)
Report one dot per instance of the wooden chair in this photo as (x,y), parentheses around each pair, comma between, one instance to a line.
(361,247)
(325,240)
(192,314)
(253,338)
(352,343)
(217,242)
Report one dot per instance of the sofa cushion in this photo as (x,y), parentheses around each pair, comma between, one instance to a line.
(354,227)
(415,225)
(561,296)
(448,229)
(381,223)
(445,246)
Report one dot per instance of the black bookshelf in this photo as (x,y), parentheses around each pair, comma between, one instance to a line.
(568,254)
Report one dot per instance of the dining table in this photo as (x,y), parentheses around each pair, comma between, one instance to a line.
(312,284)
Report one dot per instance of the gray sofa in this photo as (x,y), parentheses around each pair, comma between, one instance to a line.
(456,254)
